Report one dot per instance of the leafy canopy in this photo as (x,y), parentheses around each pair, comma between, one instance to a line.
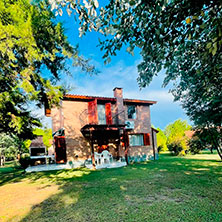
(8,146)
(46,136)
(32,43)
(182,37)
(176,138)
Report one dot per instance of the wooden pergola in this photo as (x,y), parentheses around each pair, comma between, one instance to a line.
(103,135)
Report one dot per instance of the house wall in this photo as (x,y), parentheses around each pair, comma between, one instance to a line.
(73,115)
(118,94)
(140,153)
(142,124)
(57,118)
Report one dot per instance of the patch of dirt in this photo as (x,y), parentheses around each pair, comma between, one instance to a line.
(18,199)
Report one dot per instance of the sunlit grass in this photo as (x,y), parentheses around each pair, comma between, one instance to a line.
(170,189)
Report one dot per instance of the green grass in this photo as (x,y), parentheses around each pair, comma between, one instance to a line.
(170,189)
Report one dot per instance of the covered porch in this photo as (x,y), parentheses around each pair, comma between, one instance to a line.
(108,145)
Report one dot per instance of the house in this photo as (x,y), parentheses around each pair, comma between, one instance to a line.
(92,124)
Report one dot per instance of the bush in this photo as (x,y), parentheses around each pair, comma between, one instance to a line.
(195,145)
(25,160)
(179,148)
(160,148)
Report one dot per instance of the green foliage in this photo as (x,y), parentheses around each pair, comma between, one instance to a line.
(161,141)
(8,146)
(195,145)
(176,139)
(178,147)
(182,37)
(209,137)
(31,40)
(46,134)
(24,160)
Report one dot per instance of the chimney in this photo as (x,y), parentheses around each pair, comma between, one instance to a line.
(120,113)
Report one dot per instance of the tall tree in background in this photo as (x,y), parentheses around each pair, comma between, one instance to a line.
(182,37)
(31,42)
(176,139)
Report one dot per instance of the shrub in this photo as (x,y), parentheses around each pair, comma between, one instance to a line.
(24,160)
(178,148)
(161,141)
(195,145)
(160,148)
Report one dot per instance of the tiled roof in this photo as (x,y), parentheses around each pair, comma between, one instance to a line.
(189,133)
(38,142)
(83,97)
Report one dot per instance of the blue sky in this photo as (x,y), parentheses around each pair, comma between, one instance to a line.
(121,72)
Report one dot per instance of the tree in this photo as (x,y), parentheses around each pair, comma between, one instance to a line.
(161,140)
(183,37)
(8,146)
(31,43)
(206,137)
(176,139)
(46,134)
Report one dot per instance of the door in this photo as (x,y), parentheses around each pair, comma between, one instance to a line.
(60,149)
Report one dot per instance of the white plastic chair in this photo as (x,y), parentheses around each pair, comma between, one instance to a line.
(98,158)
(106,157)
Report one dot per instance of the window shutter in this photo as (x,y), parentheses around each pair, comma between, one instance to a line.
(146,138)
(92,112)
(108,113)
(47,109)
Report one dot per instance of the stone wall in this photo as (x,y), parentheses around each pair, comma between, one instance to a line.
(140,153)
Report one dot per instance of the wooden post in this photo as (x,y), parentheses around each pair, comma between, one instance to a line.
(92,151)
(126,146)
(154,153)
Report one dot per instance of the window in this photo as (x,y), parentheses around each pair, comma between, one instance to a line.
(101,114)
(131,112)
(136,140)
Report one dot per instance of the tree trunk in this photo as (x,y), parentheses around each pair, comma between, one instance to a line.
(219,152)
(216,144)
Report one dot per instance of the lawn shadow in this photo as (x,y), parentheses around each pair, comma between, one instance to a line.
(122,194)
(11,174)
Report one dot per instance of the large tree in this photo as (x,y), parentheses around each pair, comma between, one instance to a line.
(32,43)
(184,37)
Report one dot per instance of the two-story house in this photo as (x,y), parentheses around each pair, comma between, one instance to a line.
(122,126)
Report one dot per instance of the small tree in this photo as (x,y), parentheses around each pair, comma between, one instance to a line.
(161,141)
(176,139)
(8,146)
(195,145)
(206,138)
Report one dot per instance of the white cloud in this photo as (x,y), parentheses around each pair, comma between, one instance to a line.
(121,75)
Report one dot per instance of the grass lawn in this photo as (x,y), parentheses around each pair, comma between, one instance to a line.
(170,189)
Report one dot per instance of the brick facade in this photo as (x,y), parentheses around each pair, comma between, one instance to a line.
(73,115)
